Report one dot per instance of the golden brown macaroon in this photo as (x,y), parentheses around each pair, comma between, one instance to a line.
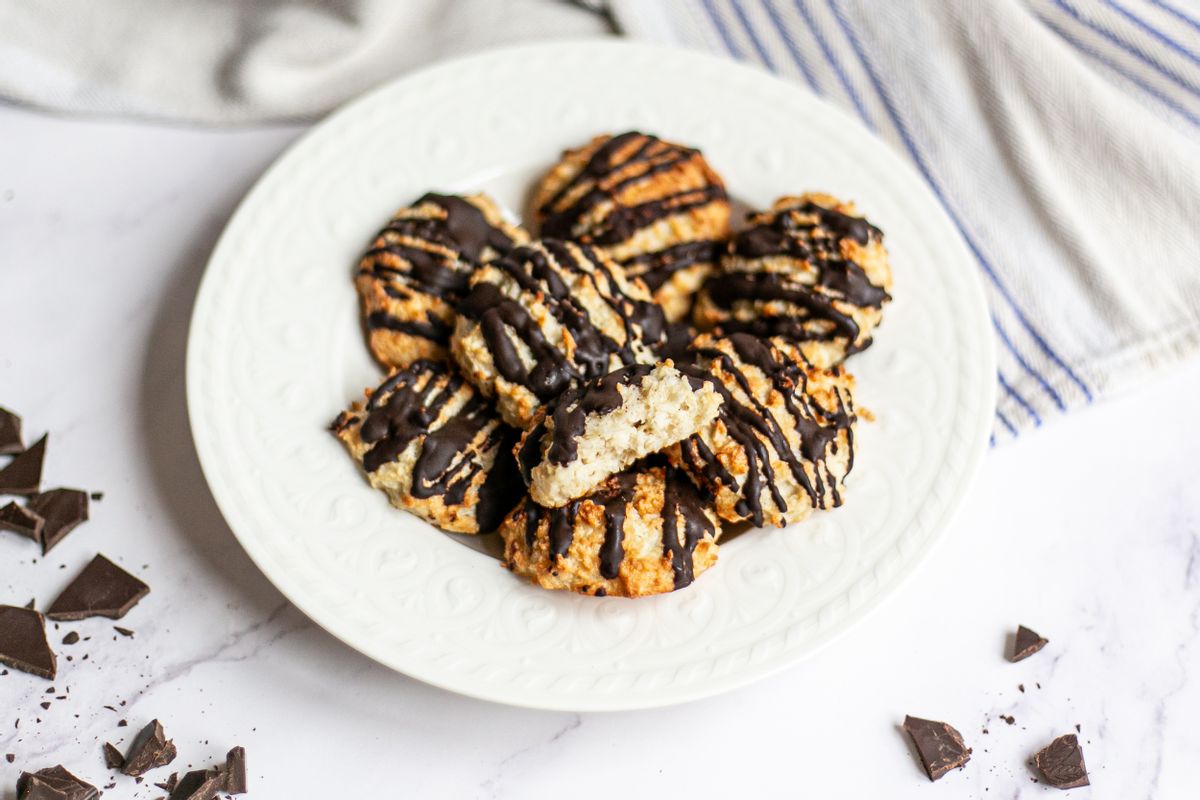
(783,441)
(641,532)
(547,317)
(809,269)
(436,447)
(418,268)
(656,207)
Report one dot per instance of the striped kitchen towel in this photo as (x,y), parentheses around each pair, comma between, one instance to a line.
(1061,136)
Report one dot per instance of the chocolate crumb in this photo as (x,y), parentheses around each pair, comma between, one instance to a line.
(45,706)
(1061,763)
(1021,686)
(940,747)
(169,784)
(71,638)
(1011,720)
(101,589)
(122,723)
(124,631)
(1077,728)
(10,757)
(1027,643)
(97,495)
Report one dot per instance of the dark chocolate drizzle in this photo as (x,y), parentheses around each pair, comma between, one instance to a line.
(684,521)
(416,266)
(544,270)
(621,162)
(407,405)
(812,233)
(755,428)
(656,268)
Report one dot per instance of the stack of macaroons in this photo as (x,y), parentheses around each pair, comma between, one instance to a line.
(553,388)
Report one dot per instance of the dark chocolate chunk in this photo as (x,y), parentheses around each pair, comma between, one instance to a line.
(54,783)
(1026,644)
(1061,763)
(62,509)
(19,519)
(235,771)
(23,642)
(150,749)
(10,433)
(199,784)
(23,475)
(71,638)
(112,757)
(102,589)
(168,785)
(940,746)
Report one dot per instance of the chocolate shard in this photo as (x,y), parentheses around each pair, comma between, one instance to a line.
(199,784)
(235,771)
(10,433)
(62,509)
(112,757)
(23,475)
(54,783)
(1061,763)
(940,747)
(1026,644)
(23,642)
(168,785)
(19,519)
(150,749)
(102,589)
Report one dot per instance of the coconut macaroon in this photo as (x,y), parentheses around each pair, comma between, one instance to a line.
(641,532)
(783,441)
(547,317)
(417,270)
(608,423)
(656,207)
(809,269)
(436,448)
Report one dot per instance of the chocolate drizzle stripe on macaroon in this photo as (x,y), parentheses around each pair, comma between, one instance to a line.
(408,405)
(684,522)
(621,162)
(754,427)
(542,271)
(431,256)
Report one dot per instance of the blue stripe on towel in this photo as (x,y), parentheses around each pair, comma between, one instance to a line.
(1153,31)
(1021,401)
(754,40)
(1129,76)
(919,160)
(1178,14)
(1145,58)
(792,47)
(1004,421)
(823,43)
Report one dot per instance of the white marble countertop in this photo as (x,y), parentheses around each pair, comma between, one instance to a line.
(1088,531)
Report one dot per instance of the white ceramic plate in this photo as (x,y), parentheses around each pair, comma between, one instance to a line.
(276,351)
